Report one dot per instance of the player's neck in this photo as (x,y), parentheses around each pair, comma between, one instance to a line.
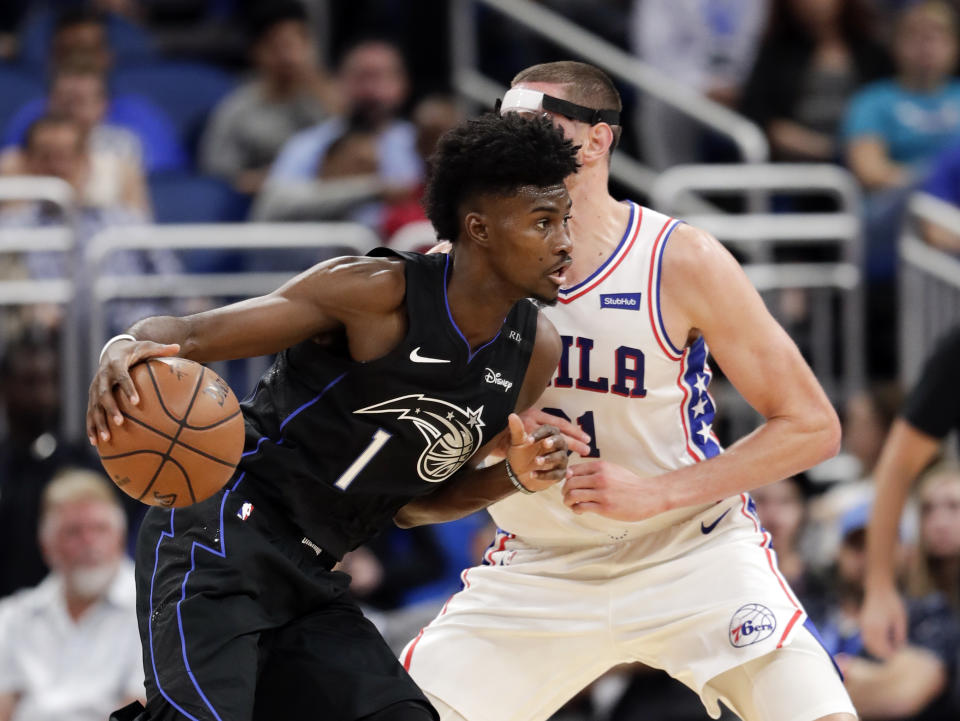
(478,300)
(597,224)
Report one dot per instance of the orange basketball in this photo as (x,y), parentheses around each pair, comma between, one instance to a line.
(184,440)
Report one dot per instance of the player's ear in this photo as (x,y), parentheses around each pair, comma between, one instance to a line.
(599,140)
(475,228)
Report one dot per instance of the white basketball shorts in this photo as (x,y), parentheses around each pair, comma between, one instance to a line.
(534,626)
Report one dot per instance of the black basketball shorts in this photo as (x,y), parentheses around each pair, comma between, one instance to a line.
(240,620)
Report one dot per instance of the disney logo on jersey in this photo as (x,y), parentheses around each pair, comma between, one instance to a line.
(497,379)
(625,301)
(452,433)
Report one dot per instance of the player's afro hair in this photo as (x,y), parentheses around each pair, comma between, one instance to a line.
(493,155)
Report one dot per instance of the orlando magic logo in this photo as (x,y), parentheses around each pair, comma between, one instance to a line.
(452,433)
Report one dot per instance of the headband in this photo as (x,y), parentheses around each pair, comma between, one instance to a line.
(533,101)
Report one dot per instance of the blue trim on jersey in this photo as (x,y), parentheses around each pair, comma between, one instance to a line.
(594,274)
(812,628)
(697,362)
(222,553)
(295,413)
(663,330)
(446,302)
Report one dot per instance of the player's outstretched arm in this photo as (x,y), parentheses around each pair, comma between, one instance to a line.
(708,293)
(883,618)
(538,457)
(365,295)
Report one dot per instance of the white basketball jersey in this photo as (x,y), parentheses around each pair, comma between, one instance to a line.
(643,401)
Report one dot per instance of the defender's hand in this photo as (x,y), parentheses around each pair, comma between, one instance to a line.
(883,621)
(538,459)
(612,491)
(114,371)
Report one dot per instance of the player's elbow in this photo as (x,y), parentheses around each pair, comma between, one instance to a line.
(831,433)
(822,431)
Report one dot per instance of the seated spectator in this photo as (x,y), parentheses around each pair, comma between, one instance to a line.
(815,57)
(59,146)
(346,184)
(32,450)
(289,93)
(706,45)
(50,36)
(782,508)
(78,92)
(81,38)
(914,683)
(894,128)
(432,117)
(70,648)
(55,147)
(937,565)
(375,86)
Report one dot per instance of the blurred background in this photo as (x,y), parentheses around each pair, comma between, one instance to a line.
(163,156)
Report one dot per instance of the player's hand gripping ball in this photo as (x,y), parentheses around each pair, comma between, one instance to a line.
(182,443)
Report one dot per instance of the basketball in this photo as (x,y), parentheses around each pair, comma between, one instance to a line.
(184,440)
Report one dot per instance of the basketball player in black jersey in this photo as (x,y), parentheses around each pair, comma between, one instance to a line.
(394,373)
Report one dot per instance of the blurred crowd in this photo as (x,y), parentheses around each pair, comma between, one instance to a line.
(160,111)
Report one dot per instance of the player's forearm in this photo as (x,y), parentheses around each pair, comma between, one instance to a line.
(780,448)
(904,455)
(898,688)
(472,491)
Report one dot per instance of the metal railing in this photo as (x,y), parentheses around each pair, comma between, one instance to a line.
(471,83)
(346,238)
(59,291)
(929,302)
(756,237)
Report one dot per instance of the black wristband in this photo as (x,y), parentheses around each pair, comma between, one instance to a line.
(514,480)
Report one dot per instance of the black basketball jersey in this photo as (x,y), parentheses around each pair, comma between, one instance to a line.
(340,446)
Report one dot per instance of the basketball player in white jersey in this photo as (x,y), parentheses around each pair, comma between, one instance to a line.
(652,551)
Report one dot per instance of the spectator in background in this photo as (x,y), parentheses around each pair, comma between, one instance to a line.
(895,127)
(80,38)
(432,117)
(931,411)
(893,130)
(816,54)
(782,508)
(31,452)
(69,648)
(55,147)
(49,37)
(374,82)
(914,683)
(289,93)
(115,174)
(937,565)
(707,45)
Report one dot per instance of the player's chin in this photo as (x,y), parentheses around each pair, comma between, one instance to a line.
(547,295)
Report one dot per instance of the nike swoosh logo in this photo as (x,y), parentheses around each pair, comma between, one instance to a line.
(707,529)
(417,358)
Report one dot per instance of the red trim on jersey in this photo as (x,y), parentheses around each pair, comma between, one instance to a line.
(488,556)
(683,406)
(598,281)
(408,656)
(651,293)
(796,616)
(773,568)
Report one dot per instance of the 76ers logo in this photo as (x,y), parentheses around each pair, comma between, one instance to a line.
(452,433)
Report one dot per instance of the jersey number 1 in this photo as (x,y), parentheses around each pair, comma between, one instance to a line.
(378,441)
